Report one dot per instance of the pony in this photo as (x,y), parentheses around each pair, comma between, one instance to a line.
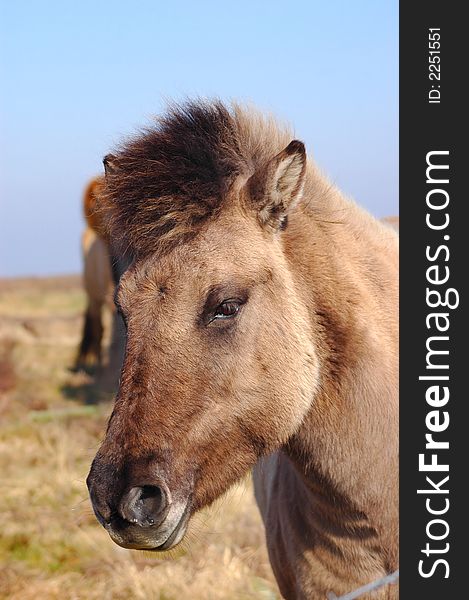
(101,272)
(97,278)
(260,307)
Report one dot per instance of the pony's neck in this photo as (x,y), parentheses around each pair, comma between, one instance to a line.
(345,266)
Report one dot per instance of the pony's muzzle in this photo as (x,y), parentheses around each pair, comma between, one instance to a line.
(143,514)
(146,505)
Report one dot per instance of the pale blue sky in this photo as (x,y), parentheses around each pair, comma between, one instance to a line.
(77,75)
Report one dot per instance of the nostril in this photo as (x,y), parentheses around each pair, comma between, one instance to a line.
(144,505)
(151,499)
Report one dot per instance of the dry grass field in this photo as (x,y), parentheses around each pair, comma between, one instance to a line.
(51,422)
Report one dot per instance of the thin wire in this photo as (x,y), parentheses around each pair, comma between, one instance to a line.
(374,585)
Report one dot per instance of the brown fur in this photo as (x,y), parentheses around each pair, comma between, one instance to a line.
(93,217)
(215,204)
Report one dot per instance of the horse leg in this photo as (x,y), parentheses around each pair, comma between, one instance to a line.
(89,353)
(110,376)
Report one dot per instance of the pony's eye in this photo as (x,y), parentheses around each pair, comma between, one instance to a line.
(227,309)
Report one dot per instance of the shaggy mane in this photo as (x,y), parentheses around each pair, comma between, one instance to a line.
(168,181)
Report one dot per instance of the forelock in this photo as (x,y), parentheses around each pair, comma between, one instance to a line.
(171,178)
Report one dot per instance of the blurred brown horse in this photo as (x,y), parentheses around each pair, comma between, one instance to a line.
(101,272)
(261,314)
(97,278)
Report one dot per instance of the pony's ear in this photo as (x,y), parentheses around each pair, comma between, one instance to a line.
(110,164)
(276,188)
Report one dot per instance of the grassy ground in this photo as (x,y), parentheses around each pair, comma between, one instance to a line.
(50,543)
